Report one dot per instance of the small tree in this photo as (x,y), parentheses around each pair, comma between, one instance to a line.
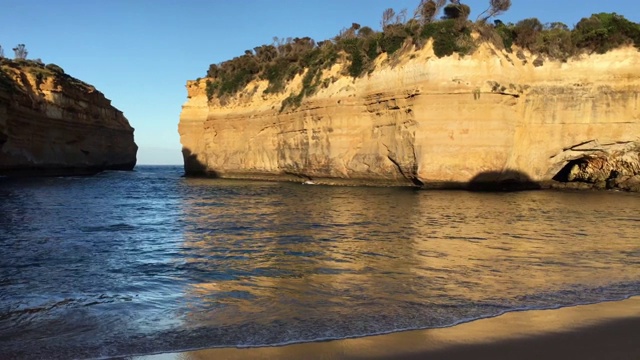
(555,40)
(401,17)
(496,7)
(605,31)
(428,9)
(265,53)
(365,32)
(348,33)
(455,10)
(526,33)
(557,26)
(387,17)
(20,52)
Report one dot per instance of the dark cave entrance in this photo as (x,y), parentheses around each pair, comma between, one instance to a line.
(563,174)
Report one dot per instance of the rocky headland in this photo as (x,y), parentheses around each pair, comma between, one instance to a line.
(493,118)
(54,124)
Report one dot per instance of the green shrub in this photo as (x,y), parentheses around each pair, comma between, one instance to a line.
(355,52)
(457,11)
(361,51)
(312,78)
(278,73)
(315,61)
(357,66)
(506,35)
(281,61)
(329,56)
(412,28)
(598,33)
(265,53)
(372,48)
(365,32)
(605,31)
(211,89)
(234,82)
(392,43)
(556,42)
(55,69)
(526,33)
(393,38)
(213,71)
(447,37)
(231,76)
(293,101)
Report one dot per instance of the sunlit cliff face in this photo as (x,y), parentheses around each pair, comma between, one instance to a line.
(53,123)
(421,121)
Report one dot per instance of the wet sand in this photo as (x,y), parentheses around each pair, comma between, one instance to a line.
(609,330)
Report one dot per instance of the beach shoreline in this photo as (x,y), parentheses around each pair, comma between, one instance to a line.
(607,330)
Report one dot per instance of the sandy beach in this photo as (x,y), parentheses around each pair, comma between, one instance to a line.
(609,330)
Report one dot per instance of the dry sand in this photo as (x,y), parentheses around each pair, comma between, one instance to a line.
(609,330)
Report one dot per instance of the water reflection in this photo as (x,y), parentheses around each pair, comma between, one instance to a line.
(143,262)
(328,262)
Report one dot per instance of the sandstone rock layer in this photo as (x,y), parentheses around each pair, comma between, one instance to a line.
(53,124)
(489,117)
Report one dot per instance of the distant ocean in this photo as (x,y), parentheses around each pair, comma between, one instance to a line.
(142,262)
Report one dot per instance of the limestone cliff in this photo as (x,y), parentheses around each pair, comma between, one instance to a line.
(420,120)
(53,124)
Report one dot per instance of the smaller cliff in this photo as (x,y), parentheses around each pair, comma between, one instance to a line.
(54,124)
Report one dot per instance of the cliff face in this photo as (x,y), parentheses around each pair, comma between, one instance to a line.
(419,120)
(53,124)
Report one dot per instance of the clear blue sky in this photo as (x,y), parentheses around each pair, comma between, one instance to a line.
(140,53)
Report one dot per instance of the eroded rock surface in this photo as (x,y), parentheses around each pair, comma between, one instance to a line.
(609,166)
(53,124)
(424,121)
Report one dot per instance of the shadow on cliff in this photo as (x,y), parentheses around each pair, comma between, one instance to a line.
(193,167)
(508,180)
(491,181)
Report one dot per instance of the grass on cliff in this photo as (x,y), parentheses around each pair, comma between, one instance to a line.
(39,70)
(358,47)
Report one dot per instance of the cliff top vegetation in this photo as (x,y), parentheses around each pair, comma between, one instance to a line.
(446,24)
(11,68)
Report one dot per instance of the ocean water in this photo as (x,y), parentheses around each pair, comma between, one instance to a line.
(142,262)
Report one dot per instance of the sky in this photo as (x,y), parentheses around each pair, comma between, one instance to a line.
(140,53)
